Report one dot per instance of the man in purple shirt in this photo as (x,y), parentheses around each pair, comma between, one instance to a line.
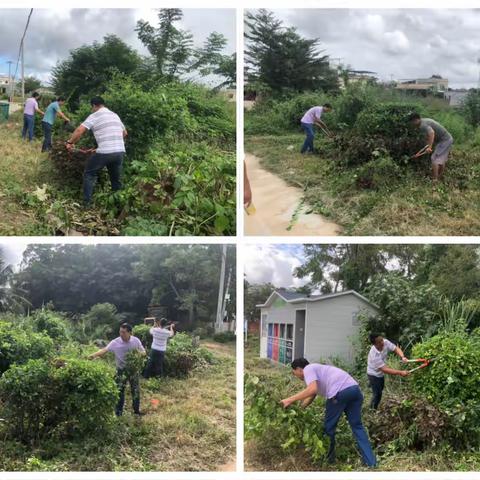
(120,346)
(312,117)
(343,396)
(31,106)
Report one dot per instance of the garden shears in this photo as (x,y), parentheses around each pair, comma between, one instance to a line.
(421,152)
(425,362)
(327,132)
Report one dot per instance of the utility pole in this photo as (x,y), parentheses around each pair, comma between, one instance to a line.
(226,296)
(23,74)
(10,80)
(219,319)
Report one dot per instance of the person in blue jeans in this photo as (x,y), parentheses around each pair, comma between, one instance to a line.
(31,107)
(343,396)
(313,117)
(109,133)
(48,121)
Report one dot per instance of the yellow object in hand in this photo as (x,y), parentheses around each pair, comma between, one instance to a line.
(250,209)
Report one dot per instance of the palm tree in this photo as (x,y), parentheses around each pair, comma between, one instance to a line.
(11,299)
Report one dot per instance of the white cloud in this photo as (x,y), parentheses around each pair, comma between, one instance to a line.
(272,263)
(395,42)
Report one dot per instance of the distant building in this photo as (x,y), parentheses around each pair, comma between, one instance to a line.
(433,85)
(356,76)
(3,84)
(455,98)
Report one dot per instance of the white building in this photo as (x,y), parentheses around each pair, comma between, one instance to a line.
(315,327)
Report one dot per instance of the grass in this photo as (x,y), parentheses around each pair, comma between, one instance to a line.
(260,457)
(192,429)
(31,203)
(402,204)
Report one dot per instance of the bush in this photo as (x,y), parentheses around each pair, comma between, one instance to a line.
(407,421)
(407,310)
(382,127)
(51,324)
(455,374)
(101,321)
(204,332)
(183,355)
(87,396)
(189,187)
(142,332)
(61,398)
(18,345)
(225,337)
(379,173)
(284,430)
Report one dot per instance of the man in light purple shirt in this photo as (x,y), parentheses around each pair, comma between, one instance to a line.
(31,106)
(312,117)
(343,395)
(120,346)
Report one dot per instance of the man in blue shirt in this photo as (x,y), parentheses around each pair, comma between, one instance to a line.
(49,119)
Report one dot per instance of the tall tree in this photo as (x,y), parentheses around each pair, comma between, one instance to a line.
(31,84)
(280,59)
(342,267)
(89,68)
(255,294)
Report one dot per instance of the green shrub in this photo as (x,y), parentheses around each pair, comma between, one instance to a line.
(18,345)
(61,398)
(204,332)
(280,429)
(142,332)
(382,127)
(455,374)
(183,355)
(51,324)
(381,172)
(225,337)
(87,396)
(190,188)
(134,363)
(460,130)
(101,321)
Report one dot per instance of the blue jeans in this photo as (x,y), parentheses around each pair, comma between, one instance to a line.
(349,401)
(113,162)
(28,124)
(376,384)
(310,133)
(47,137)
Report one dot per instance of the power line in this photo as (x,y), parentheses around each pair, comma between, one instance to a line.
(21,44)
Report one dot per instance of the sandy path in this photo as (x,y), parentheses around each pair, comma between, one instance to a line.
(231,466)
(275,202)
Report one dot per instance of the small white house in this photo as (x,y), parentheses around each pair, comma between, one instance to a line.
(315,327)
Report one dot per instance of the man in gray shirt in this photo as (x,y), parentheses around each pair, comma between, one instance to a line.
(434,133)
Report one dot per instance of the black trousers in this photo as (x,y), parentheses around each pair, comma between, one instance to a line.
(155,364)
(376,384)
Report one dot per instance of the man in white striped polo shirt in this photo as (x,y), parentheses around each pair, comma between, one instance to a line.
(109,133)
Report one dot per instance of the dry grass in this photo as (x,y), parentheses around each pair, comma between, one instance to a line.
(20,165)
(406,205)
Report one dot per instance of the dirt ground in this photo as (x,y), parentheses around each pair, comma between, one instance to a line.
(277,203)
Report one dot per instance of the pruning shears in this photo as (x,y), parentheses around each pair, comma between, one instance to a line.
(425,362)
(327,132)
(421,152)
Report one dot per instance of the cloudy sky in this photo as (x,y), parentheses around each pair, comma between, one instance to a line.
(52,33)
(274,263)
(397,43)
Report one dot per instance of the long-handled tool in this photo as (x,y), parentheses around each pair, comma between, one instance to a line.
(425,362)
(327,132)
(421,152)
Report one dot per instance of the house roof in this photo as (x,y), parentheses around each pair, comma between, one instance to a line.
(295,297)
